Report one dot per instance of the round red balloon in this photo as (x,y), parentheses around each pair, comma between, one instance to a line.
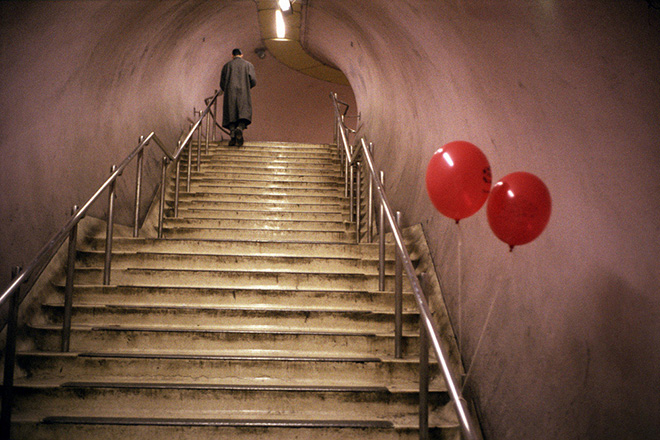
(519,208)
(458,179)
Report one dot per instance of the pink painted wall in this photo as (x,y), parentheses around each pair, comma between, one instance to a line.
(82,80)
(567,90)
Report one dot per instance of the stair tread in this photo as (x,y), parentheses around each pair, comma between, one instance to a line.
(254,308)
(256,422)
(232,387)
(266,329)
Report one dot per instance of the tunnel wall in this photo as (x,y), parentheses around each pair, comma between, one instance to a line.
(569,91)
(82,80)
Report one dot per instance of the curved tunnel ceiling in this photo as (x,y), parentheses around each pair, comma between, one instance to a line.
(289,50)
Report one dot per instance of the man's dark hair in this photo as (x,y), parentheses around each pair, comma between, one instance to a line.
(236,52)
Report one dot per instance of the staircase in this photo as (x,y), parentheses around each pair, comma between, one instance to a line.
(257,316)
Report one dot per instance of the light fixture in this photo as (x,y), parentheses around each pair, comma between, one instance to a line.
(285,5)
(261,52)
(279,25)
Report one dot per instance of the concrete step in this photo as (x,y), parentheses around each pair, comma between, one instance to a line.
(276,148)
(235,278)
(265,176)
(270,225)
(57,368)
(273,215)
(191,261)
(262,340)
(198,186)
(265,207)
(207,429)
(273,162)
(308,236)
(238,247)
(262,154)
(220,401)
(236,297)
(332,201)
(239,181)
(220,317)
(270,169)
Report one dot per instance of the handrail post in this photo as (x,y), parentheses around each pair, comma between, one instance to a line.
(346,173)
(177,183)
(108,233)
(358,201)
(208,126)
(351,189)
(370,203)
(381,239)
(199,141)
(138,189)
(398,298)
(161,209)
(215,112)
(423,378)
(68,290)
(10,360)
(189,164)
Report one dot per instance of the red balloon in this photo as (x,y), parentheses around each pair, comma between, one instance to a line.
(458,179)
(519,208)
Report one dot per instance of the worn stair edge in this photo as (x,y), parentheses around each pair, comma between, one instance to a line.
(257,423)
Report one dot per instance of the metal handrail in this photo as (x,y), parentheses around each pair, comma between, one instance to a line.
(24,281)
(468,427)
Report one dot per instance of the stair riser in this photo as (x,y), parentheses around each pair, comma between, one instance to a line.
(277,179)
(232,262)
(271,372)
(265,207)
(246,215)
(236,279)
(256,234)
(366,251)
(334,201)
(354,300)
(338,226)
(205,342)
(265,169)
(206,403)
(209,188)
(254,151)
(264,155)
(192,317)
(25,431)
(263,183)
(220,162)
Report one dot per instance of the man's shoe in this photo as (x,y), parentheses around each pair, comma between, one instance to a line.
(239,136)
(232,142)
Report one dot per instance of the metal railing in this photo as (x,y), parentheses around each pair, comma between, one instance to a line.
(23,280)
(353,157)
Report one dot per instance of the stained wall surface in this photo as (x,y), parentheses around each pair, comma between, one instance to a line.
(568,90)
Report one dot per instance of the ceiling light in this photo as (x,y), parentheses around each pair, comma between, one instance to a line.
(279,24)
(285,5)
